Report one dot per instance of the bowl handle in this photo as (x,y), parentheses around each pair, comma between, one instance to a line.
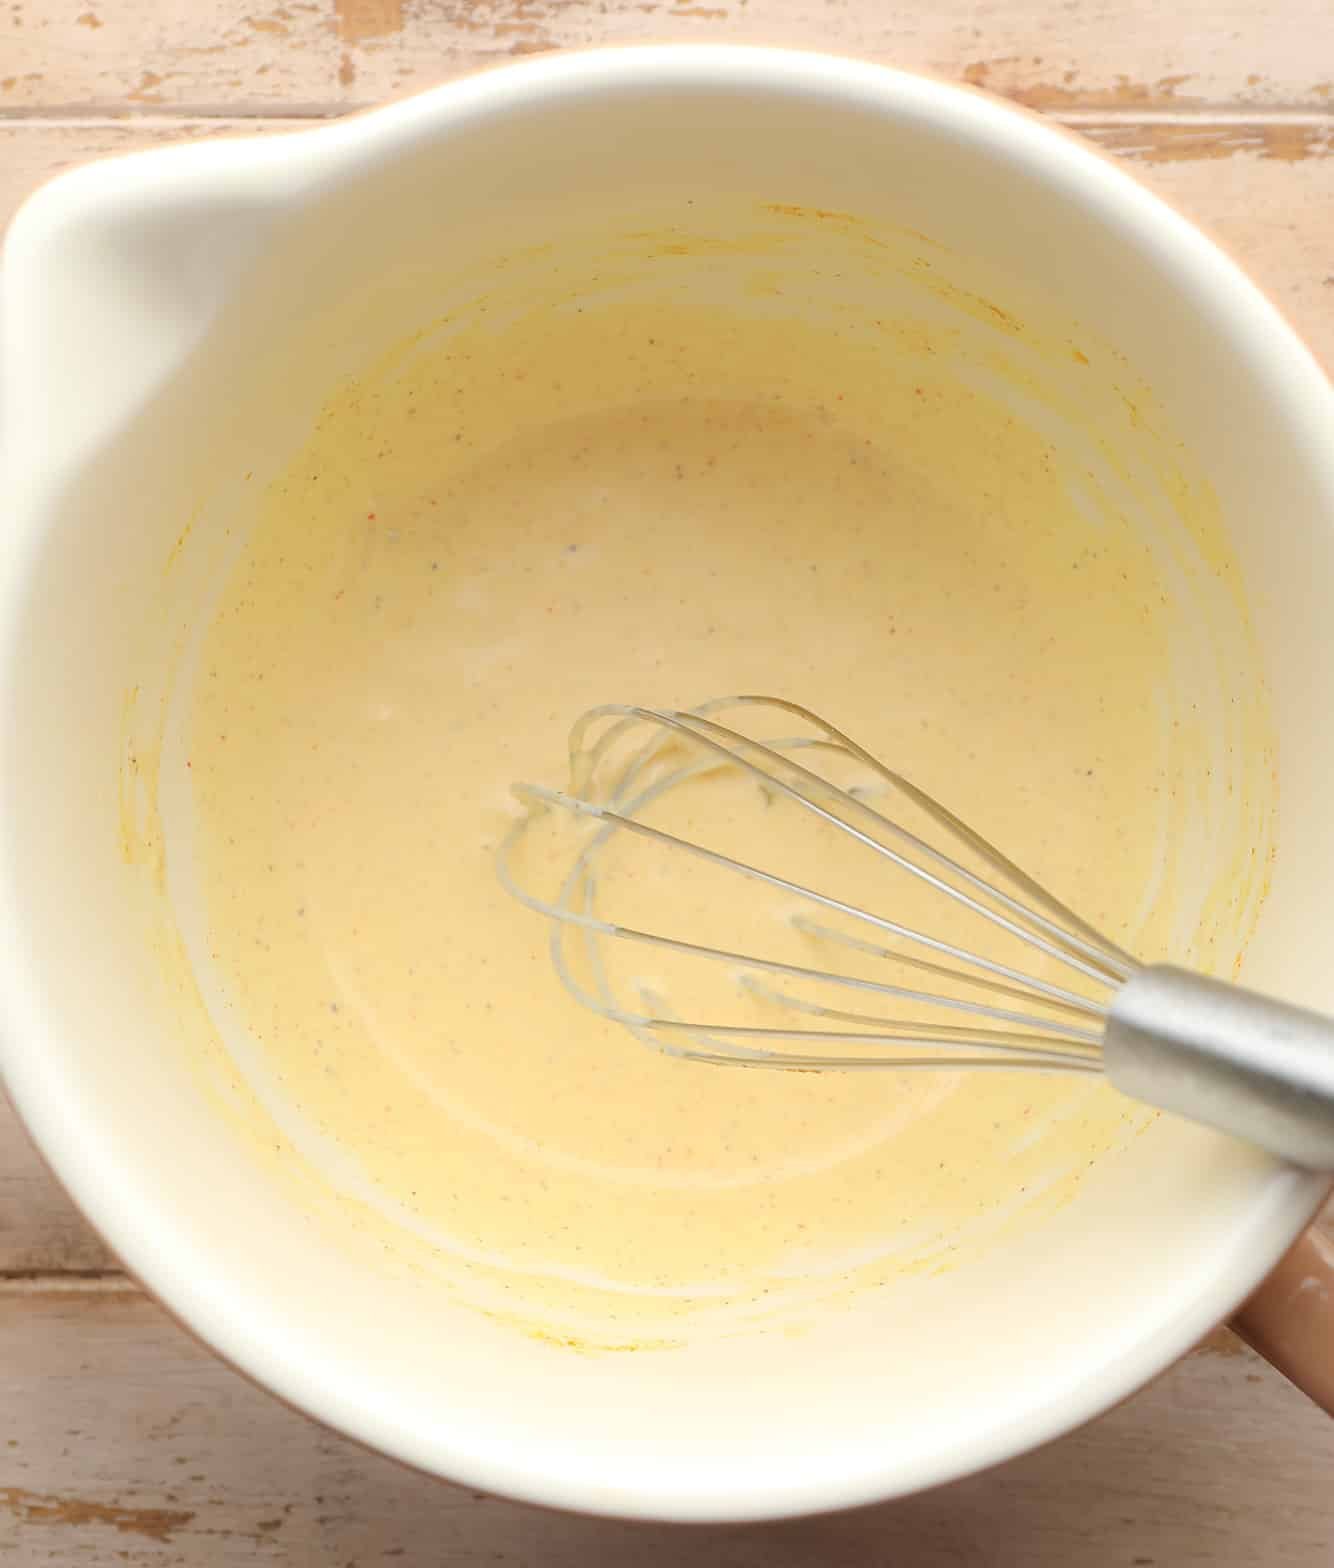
(1290,1319)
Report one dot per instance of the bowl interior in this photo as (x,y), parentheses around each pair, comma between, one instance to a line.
(765,188)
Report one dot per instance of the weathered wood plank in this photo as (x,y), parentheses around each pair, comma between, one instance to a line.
(249,54)
(41,1232)
(126,1442)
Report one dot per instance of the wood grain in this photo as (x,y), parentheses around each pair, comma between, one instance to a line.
(41,1232)
(127,1443)
(183,55)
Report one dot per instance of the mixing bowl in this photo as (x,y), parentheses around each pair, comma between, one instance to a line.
(171,322)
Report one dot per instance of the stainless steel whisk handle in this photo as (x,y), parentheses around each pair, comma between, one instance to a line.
(1226,1057)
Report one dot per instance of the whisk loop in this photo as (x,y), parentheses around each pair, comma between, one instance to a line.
(945,1003)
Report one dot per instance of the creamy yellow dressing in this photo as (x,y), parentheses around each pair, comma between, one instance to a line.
(496,527)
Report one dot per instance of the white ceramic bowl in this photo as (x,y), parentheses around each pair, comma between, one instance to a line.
(142,301)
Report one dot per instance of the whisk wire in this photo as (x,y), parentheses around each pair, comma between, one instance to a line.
(1026,1038)
(839,906)
(691,724)
(1065,924)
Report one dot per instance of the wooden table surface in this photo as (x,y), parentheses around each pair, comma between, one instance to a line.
(124,1442)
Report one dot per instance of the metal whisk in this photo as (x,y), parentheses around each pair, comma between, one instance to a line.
(1037,989)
